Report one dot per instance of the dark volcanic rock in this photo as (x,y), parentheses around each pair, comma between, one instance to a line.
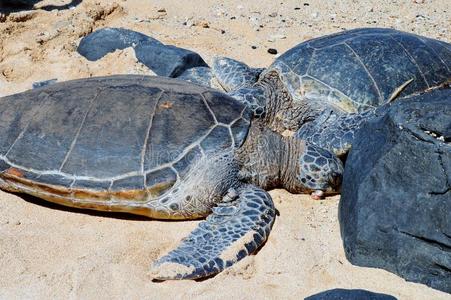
(103,41)
(395,209)
(9,6)
(342,294)
(169,61)
(18,2)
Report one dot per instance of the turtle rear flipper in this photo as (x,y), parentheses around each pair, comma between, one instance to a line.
(234,230)
(233,74)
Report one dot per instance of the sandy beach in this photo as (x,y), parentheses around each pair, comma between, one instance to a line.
(49,251)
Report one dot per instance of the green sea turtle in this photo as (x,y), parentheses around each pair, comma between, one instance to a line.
(330,85)
(162,148)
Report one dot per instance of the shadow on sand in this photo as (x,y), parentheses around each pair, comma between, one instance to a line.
(96,213)
(12,6)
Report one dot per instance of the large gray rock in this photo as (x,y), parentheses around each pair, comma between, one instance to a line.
(163,60)
(395,209)
(343,294)
(105,40)
(168,60)
(18,2)
(17,5)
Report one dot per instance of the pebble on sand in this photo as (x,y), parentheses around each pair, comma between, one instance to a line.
(272,51)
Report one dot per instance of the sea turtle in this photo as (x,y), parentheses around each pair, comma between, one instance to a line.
(330,85)
(162,148)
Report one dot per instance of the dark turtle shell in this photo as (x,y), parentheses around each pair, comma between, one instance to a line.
(110,138)
(363,68)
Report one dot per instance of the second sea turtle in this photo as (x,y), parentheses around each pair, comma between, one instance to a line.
(162,148)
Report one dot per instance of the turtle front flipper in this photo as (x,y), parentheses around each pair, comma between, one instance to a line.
(233,74)
(334,133)
(202,76)
(235,229)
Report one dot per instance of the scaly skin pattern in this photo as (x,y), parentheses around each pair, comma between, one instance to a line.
(333,132)
(270,161)
(202,76)
(241,222)
(234,230)
(204,186)
(233,74)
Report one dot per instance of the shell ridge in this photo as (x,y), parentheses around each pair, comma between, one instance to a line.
(368,71)
(311,61)
(67,175)
(184,152)
(26,127)
(149,127)
(335,89)
(435,52)
(231,136)
(74,141)
(411,59)
(209,108)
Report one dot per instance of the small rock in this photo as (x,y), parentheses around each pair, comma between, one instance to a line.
(254,47)
(272,51)
(203,24)
(306,4)
(297,8)
(273,15)
(161,10)
(18,223)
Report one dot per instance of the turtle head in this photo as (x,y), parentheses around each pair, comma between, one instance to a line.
(270,160)
(316,170)
(286,108)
